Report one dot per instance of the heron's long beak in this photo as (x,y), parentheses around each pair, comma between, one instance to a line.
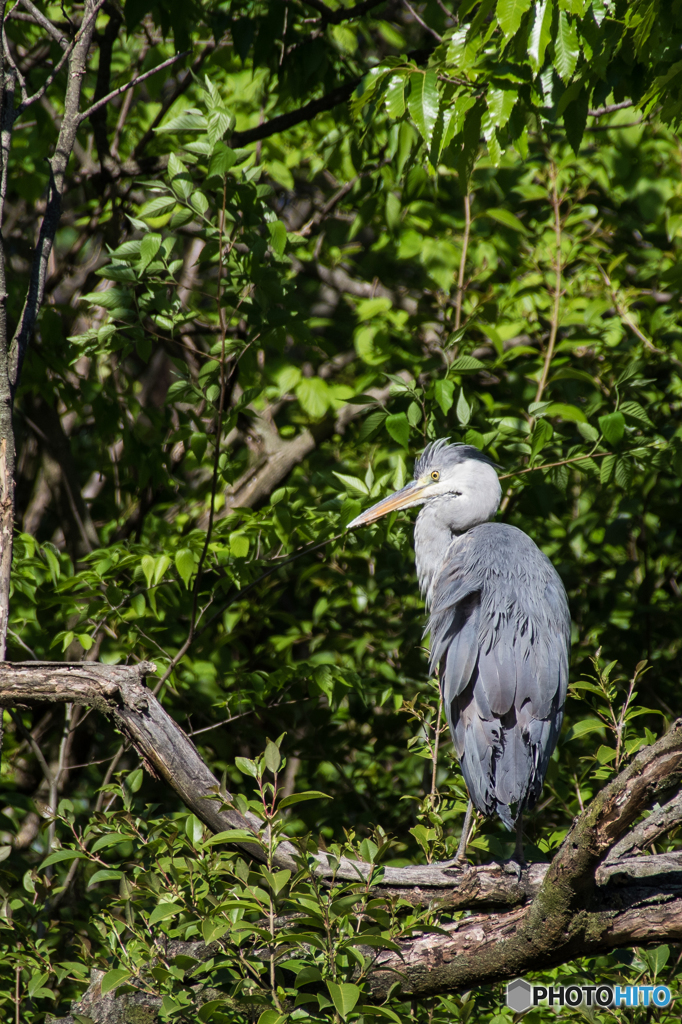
(409,495)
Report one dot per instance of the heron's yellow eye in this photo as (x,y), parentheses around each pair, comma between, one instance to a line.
(435,475)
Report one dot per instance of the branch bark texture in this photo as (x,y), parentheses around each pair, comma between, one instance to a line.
(582,903)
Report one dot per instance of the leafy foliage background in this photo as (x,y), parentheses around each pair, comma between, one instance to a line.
(215,314)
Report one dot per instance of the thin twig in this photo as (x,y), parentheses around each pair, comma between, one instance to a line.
(434,772)
(600,111)
(552,465)
(462,261)
(556,206)
(130,85)
(44,22)
(421,21)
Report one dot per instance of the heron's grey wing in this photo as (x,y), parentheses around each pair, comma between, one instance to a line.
(500,633)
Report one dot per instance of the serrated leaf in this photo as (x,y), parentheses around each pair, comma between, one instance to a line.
(542,433)
(222,160)
(354,482)
(443,393)
(423,102)
(540,34)
(186,122)
(151,244)
(509,14)
(612,427)
(398,427)
(278,236)
(395,97)
(154,208)
(566,47)
(180,177)
(500,105)
(314,396)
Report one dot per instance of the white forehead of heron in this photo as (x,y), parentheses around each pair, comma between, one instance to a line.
(447,458)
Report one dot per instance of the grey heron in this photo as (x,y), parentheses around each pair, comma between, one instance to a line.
(500,629)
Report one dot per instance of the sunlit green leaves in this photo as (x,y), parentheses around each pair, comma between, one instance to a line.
(566,47)
(509,14)
(423,102)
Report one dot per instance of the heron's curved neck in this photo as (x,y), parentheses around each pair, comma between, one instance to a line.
(443,519)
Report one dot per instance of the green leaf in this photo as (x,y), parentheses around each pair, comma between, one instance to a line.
(239,545)
(466,364)
(163,911)
(354,482)
(112,839)
(395,97)
(154,208)
(565,412)
(500,105)
(246,766)
(181,179)
(60,855)
(566,47)
(509,14)
(540,34)
(584,727)
(423,102)
(272,756)
(271,1017)
(612,427)
(194,829)
(344,997)
(542,433)
(463,409)
(297,798)
(399,429)
(588,432)
(148,564)
(232,835)
(150,246)
(184,563)
(443,393)
(314,396)
(278,236)
(222,160)
(105,875)
(160,566)
(506,217)
(114,978)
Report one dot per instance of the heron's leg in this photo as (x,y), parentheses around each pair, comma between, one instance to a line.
(462,848)
(518,849)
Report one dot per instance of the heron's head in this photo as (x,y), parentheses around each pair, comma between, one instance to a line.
(457,473)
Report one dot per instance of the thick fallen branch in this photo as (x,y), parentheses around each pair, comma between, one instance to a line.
(580,904)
